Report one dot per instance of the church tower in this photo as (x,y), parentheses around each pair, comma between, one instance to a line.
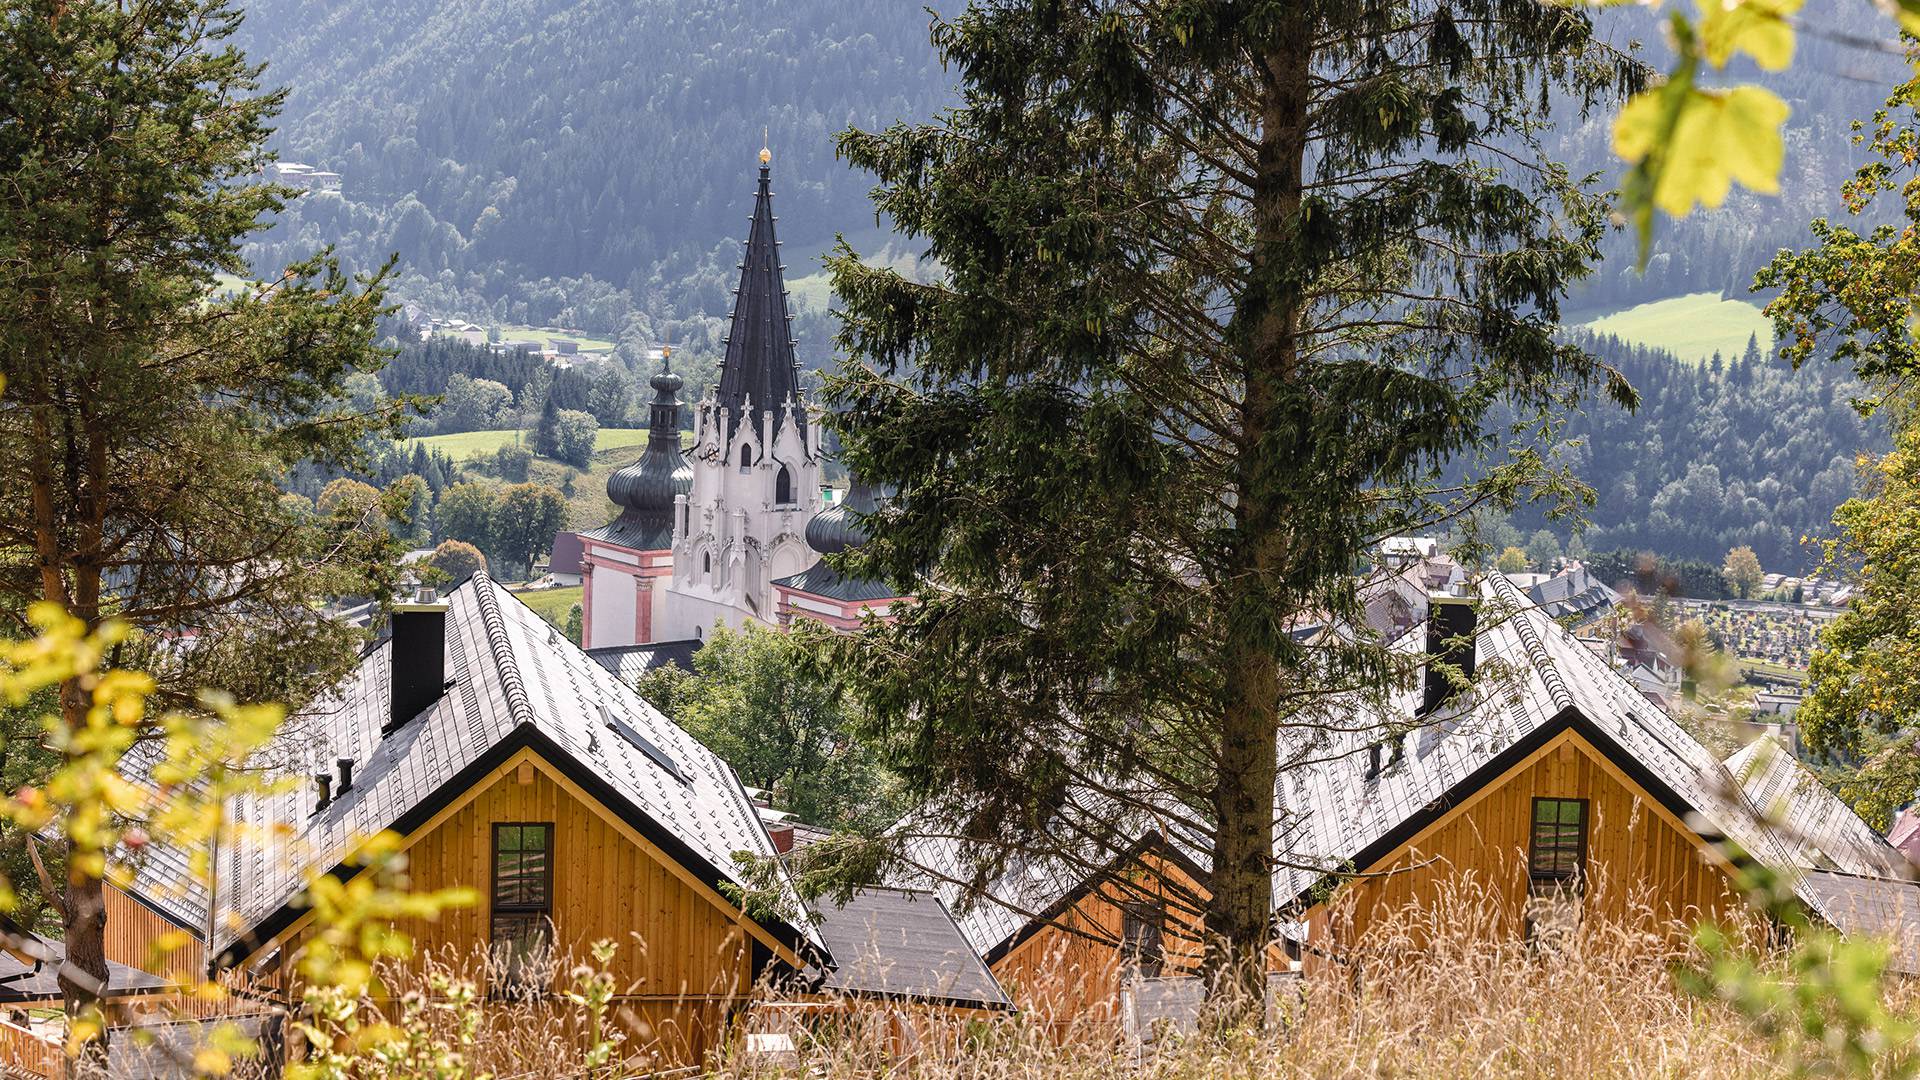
(756,458)
(624,561)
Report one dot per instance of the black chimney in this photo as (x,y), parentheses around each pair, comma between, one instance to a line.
(1450,629)
(325,782)
(346,774)
(419,661)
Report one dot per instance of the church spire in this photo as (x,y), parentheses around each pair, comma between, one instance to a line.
(760,370)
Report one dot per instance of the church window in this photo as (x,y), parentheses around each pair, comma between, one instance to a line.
(706,562)
(783,487)
(746,457)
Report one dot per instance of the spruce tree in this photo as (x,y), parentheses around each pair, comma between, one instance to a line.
(1219,292)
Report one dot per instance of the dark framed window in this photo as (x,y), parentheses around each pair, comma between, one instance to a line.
(1557,856)
(746,458)
(783,486)
(522,908)
(1143,938)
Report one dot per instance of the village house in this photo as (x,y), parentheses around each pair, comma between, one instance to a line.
(509,759)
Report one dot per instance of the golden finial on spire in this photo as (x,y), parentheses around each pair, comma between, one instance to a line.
(766,155)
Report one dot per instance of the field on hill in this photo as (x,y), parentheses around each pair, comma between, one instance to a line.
(1691,327)
(467,444)
(552,604)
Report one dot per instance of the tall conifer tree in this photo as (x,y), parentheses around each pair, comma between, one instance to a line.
(1220,291)
(143,426)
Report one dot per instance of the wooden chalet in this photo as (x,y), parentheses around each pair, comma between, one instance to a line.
(1556,783)
(507,758)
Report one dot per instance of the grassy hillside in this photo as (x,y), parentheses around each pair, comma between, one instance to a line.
(469,444)
(552,604)
(1692,327)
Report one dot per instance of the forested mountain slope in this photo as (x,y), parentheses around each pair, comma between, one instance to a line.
(515,150)
(589,163)
(577,158)
(1744,450)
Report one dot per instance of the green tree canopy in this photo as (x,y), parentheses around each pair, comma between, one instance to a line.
(1742,571)
(1849,296)
(144,422)
(465,513)
(782,723)
(574,432)
(458,560)
(523,522)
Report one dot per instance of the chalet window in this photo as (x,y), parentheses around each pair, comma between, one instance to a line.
(522,931)
(1557,858)
(783,487)
(1142,938)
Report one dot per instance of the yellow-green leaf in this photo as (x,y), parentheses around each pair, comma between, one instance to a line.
(1758,28)
(1709,140)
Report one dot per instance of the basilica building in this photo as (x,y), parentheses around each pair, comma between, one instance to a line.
(732,531)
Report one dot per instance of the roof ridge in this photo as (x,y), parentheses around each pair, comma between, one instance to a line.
(1531,640)
(501,645)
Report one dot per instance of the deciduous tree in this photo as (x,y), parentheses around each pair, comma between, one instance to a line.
(524,520)
(782,723)
(1742,572)
(458,560)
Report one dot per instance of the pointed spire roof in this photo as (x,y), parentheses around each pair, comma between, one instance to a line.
(760,370)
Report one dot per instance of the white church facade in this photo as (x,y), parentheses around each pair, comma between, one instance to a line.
(720,535)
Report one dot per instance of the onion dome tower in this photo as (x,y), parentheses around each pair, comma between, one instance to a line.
(821,592)
(838,528)
(646,490)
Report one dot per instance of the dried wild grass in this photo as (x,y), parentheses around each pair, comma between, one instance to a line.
(1447,989)
(1444,990)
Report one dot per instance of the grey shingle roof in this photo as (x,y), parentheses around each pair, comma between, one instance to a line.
(41,981)
(1819,831)
(1332,814)
(821,579)
(633,530)
(514,682)
(1869,907)
(1036,887)
(904,943)
(629,662)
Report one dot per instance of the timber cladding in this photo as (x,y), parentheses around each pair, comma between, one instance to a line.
(1642,865)
(137,934)
(1072,968)
(685,959)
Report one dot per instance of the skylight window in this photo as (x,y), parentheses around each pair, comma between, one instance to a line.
(644,745)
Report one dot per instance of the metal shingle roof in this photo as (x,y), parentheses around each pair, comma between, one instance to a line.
(510,671)
(904,943)
(1331,812)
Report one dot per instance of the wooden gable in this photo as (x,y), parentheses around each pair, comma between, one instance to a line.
(687,956)
(1643,863)
(1071,965)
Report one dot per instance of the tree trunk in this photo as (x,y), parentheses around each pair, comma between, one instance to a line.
(72,580)
(1240,913)
(83,978)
